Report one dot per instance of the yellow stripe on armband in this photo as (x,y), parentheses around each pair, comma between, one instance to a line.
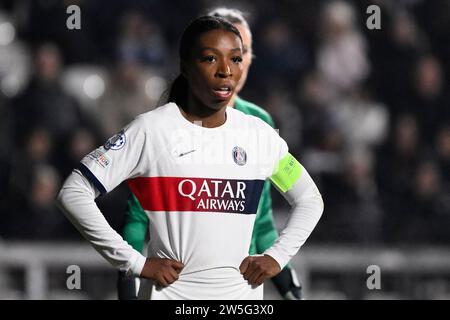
(287,172)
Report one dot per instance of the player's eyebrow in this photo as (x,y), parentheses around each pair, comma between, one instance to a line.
(215,49)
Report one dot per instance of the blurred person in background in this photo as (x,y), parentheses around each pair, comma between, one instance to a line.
(286,114)
(142,53)
(396,166)
(426,215)
(264,232)
(320,133)
(282,56)
(396,59)
(400,155)
(37,150)
(125,97)
(33,181)
(362,121)
(32,213)
(323,144)
(342,59)
(45,103)
(141,40)
(431,99)
(434,19)
(355,212)
(80,142)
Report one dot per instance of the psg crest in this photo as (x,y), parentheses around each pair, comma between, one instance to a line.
(239,156)
(116,142)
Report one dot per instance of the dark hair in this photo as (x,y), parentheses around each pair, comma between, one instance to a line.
(179,89)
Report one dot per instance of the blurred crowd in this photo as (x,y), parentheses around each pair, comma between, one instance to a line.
(367,112)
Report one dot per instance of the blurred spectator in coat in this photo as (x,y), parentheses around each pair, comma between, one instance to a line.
(430,101)
(425,216)
(44,102)
(342,54)
(141,40)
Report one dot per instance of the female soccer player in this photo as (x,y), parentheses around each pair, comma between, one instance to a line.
(264,232)
(199,184)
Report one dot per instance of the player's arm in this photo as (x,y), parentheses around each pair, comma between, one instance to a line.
(77,199)
(263,237)
(124,156)
(297,187)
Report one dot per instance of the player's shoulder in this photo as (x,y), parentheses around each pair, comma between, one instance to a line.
(249,121)
(250,108)
(158,113)
(161,115)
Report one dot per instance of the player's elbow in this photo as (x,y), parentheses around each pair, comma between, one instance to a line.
(315,204)
(62,199)
(321,206)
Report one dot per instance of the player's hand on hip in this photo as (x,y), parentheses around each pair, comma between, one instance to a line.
(257,269)
(162,270)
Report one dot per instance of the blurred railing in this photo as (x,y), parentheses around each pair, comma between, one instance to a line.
(36,259)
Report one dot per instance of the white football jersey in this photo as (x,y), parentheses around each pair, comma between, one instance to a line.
(200,188)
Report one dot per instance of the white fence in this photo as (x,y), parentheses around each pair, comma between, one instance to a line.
(34,261)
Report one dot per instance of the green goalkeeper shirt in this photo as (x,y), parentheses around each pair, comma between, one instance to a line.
(264,232)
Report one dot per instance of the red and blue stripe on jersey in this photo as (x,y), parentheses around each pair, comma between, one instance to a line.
(172,194)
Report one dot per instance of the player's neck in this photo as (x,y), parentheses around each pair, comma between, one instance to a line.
(209,118)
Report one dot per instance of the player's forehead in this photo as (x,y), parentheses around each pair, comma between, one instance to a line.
(218,40)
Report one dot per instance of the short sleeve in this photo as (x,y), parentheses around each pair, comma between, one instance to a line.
(122,157)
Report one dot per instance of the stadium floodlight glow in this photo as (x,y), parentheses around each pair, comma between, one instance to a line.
(154,87)
(7,33)
(94,86)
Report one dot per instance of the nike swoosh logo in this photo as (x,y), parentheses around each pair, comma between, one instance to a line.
(185,153)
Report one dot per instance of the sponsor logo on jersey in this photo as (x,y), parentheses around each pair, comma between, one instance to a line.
(99,158)
(197,194)
(212,194)
(182,154)
(116,142)
(239,156)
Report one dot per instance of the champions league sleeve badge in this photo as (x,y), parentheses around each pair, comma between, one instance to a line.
(116,142)
(239,156)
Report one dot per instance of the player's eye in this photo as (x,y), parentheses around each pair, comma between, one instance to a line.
(209,59)
(237,59)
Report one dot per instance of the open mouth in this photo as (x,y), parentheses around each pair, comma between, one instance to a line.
(223,92)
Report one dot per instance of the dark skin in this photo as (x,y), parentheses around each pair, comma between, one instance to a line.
(216,62)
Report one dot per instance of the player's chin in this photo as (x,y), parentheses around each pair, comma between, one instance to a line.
(218,104)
